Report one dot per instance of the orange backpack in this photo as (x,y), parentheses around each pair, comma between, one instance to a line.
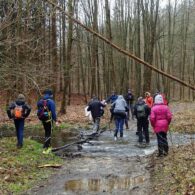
(18,112)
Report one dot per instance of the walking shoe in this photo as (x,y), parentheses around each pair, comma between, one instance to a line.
(19,146)
(147,144)
(47,150)
(159,155)
(115,138)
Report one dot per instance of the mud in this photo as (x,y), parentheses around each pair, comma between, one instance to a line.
(106,166)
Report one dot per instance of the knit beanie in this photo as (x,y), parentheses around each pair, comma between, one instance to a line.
(21,97)
(158,99)
(48,92)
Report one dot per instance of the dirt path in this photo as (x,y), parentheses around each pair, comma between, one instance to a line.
(107,167)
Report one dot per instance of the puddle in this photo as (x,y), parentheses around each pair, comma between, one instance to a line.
(104,185)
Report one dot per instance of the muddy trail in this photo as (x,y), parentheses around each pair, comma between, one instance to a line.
(105,166)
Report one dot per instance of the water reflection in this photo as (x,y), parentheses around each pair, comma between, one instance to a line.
(100,185)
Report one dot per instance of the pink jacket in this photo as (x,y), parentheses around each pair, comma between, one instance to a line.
(160,117)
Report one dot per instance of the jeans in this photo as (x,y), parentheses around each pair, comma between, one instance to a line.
(119,123)
(19,125)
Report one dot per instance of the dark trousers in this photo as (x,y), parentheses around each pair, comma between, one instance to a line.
(96,124)
(19,125)
(131,110)
(47,127)
(163,147)
(142,127)
(119,123)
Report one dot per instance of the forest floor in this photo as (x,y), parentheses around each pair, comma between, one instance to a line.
(120,168)
(109,167)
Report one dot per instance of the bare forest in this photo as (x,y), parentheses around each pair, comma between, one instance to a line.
(41,47)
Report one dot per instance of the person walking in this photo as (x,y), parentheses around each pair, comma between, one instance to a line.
(96,108)
(119,109)
(160,119)
(142,111)
(129,97)
(46,112)
(112,98)
(148,99)
(19,111)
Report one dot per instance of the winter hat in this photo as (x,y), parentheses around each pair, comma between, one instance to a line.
(21,97)
(158,99)
(140,99)
(48,92)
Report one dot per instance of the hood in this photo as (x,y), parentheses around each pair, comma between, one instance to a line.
(21,98)
(120,97)
(140,100)
(158,99)
(47,96)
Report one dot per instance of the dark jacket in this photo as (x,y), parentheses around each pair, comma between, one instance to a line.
(95,107)
(50,105)
(25,109)
(146,108)
(129,98)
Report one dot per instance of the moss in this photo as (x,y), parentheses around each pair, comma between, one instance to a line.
(19,167)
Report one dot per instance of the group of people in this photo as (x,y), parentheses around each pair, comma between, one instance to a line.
(19,110)
(154,109)
(150,108)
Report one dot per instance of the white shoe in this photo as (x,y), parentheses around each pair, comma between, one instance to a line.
(115,138)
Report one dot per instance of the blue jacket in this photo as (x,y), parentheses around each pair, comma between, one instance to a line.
(112,98)
(50,104)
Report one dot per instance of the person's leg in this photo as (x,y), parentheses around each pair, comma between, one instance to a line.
(47,127)
(19,125)
(165,143)
(116,127)
(97,124)
(160,143)
(126,123)
(139,128)
(146,131)
(121,124)
(131,108)
(16,123)
(20,132)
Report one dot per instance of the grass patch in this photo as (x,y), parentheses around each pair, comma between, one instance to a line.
(174,174)
(19,167)
(183,122)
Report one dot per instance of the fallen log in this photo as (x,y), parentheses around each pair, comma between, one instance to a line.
(86,138)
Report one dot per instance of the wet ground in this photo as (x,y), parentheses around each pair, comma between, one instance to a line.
(106,166)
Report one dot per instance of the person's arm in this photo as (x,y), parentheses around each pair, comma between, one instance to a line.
(148,110)
(52,108)
(27,110)
(169,115)
(89,107)
(152,118)
(9,110)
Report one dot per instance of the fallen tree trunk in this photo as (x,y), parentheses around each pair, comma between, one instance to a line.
(86,138)
(121,50)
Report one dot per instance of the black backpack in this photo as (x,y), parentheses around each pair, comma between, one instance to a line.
(43,113)
(141,113)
